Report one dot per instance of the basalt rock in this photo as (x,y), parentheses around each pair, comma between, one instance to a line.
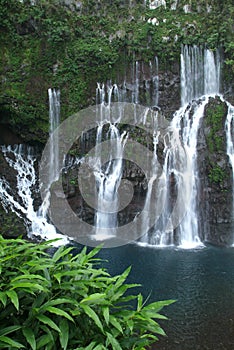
(215,176)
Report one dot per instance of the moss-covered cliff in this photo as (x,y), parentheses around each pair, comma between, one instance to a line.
(74,44)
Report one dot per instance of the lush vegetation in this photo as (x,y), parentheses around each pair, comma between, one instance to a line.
(48,43)
(215,116)
(58,300)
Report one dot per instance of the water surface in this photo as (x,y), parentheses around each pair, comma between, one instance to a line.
(202,282)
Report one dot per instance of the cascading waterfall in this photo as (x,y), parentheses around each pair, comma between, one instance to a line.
(54,118)
(107,177)
(175,185)
(155,79)
(40,226)
(200,73)
(229,125)
(188,228)
(23,159)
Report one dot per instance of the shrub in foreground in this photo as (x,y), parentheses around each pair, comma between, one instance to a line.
(66,301)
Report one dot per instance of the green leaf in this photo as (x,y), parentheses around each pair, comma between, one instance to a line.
(61,252)
(114,343)
(44,340)
(11,342)
(30,337)
(139,302)
(99,347)
(46,320)
(14,298)
(158,305)
(9,329)
(57,311)
(28,277)
(115,323)
(57,302)
(106,314)
(3,298)
(64,335)
(92,314)
(123,277)
(31,287)
(96,298)
(130,324)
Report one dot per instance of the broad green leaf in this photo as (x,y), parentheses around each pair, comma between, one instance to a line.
(106,314)
(91,346)
(94,251)
(14,298)
(30,337)
(28,277)
(43,341)
(158,305)
(114,343)
(57,311)
(99,347)
(64,335)
(159,330)
(139,302)
(57,302)
(46,320)
(8,330)
(123,277)
(96,298)
(3,298)
(130,324)
(92,314)
(61,252)
(31,287)
(11,342)
(115,323)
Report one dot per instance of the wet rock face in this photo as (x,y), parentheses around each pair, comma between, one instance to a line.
(215,176)
(11,225)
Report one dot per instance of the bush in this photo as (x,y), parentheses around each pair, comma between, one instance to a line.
(66,301)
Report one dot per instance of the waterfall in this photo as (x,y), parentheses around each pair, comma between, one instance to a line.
(188,228)
(178,224)
(229,125)
(200,73)
(54,119)
(155,79)
(23,160)
(40,225)
(173,181)
(107,176)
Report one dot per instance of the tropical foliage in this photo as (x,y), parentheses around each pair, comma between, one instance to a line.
(59,300)
(75,44)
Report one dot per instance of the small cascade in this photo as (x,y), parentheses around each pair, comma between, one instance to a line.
(230,145)
(155,80)
(178,224)
(178,184)
(54,118)
(41,226)
(136,76)
(23,160)
(107,176)
(200,73)
(188,228)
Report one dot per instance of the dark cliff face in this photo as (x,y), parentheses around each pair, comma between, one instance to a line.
(215,196)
